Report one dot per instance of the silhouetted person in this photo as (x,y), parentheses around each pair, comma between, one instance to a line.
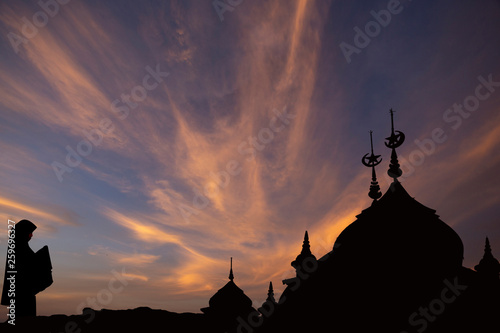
(32,272)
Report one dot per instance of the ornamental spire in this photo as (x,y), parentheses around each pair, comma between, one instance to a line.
(304,254)
(270,293)
(306,248)
(487,248)
(231,276)
(372,161)
(489,266)
(395,140)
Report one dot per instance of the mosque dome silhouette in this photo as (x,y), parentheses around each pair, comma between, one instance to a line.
(226,304)
(229,298)
(397,231)
(402,233)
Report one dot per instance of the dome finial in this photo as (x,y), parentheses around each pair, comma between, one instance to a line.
(395,140)
(306,248)
(372,161)
(270,293)
(231,276)
(305,253)
(488,266)
(487,249)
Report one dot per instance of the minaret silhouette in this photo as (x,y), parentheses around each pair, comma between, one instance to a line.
(304,254)
(231,275)
(270,293)
(488,267)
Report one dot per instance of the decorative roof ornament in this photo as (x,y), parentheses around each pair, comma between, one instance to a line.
(372,161)
(304,254)
(395,140)
(488,265)
(487,249)
(229,299)
(270,293)
(231,276)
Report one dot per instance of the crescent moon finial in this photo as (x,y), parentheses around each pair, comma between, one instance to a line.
(395,140)
(371,161)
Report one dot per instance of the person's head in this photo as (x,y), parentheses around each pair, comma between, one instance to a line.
(24,231)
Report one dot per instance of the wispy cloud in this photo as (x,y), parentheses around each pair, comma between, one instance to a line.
(132,259)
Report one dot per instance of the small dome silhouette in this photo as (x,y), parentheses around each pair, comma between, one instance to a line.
(229,301)
(230,296)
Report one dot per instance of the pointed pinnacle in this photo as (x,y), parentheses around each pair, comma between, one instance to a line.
(392,119)
(231,276)
(487,247)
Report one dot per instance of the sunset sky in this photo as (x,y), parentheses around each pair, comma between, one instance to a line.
(156,139)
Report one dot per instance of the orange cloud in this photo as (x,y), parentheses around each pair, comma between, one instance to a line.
(123,258)
(142,230)
(19,210)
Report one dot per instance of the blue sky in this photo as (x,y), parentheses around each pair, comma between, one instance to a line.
(202,139)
